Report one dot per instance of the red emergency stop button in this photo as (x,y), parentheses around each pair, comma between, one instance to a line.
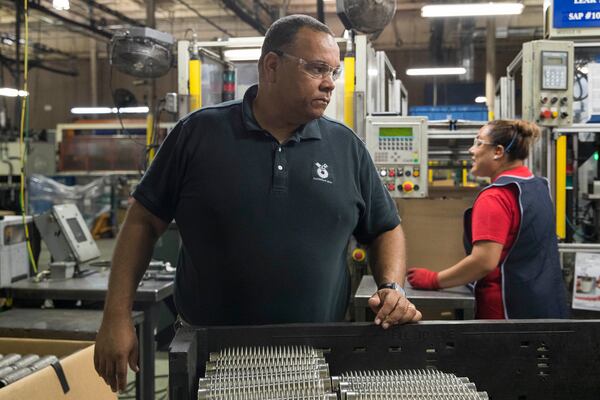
(359,255)
(545,114)
(407,187)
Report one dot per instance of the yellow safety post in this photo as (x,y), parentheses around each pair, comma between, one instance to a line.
(465,174)
(195,81)
(150,137)
(349,87)
(561,187)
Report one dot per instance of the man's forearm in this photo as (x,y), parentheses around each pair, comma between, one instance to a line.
(387,257)
(130,259)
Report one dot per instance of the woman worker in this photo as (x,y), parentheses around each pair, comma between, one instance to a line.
(509,233)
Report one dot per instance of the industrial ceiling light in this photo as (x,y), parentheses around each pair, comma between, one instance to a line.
(436,71)
(10,92)
(242,54)
(108,110)
(61,5)
(471,10)
(480,99)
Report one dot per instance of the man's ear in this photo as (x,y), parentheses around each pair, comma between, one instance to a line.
(269,65)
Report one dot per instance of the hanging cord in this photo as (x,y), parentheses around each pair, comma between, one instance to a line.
(24,131)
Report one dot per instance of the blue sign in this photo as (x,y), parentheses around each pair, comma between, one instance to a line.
(576,14)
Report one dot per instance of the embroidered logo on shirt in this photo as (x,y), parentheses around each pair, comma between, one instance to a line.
(322,173)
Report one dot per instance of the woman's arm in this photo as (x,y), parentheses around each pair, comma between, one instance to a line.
(482,260)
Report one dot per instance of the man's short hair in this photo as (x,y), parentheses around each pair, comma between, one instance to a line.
(282,32)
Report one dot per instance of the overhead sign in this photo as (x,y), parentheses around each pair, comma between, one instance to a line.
(576,14)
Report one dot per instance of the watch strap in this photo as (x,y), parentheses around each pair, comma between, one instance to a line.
(392,285)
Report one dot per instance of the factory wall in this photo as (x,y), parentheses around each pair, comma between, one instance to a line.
(53,95)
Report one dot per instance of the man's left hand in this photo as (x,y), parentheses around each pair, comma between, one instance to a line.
(391,308)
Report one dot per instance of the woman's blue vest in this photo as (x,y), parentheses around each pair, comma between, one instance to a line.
(532,284)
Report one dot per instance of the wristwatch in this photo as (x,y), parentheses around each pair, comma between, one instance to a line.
(392,285)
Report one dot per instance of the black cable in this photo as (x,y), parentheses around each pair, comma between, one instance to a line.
(192,9)
(125,131)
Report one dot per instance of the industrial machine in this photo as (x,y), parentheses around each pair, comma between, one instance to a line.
(203,77)
(398,146)
(525,359)
(548,82)
(70,242)
(14,262)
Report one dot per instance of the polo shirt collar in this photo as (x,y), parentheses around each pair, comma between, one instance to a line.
(310,130)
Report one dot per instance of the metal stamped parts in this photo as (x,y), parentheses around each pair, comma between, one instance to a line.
(407,384)
(302,373)
(266,373)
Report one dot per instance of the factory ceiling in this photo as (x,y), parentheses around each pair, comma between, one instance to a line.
(64,34)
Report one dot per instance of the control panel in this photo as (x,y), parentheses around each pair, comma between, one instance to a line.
(548,82)
(398,146)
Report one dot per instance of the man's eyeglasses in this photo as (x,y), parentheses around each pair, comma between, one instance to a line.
(316,69)
(477,143)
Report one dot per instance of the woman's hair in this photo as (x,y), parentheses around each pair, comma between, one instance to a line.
(516,136)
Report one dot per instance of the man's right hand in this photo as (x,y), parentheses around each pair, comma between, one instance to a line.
(116,346)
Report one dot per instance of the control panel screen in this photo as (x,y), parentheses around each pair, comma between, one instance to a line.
(396,138)
(76,229)
(404,131)
(554,70)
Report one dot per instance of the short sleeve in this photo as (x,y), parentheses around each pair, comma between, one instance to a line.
(493,213)
(379,213)
(158,191)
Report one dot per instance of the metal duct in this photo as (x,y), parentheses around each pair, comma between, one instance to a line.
(466,52)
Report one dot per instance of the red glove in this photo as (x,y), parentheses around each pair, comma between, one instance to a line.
(421,278)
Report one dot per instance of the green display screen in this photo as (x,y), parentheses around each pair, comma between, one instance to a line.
(396,132)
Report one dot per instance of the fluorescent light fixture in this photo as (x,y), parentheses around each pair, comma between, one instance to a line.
(480,99)
(91,110)
(436,71)
(108,110)
(132,110)
(471,10)
(10,92)
(61,5)
(242,54)
(247,41)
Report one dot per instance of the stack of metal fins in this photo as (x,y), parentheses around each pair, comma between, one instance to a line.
(301,373)
(407,384)
(266,373)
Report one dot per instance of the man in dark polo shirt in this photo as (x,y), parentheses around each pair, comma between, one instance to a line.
(266,193)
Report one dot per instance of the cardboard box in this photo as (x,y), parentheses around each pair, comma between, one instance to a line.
(434,230)
(77,361)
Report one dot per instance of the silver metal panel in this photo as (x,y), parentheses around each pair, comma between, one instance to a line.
(543,103)
(399,148)
(455,298)
(67,236)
